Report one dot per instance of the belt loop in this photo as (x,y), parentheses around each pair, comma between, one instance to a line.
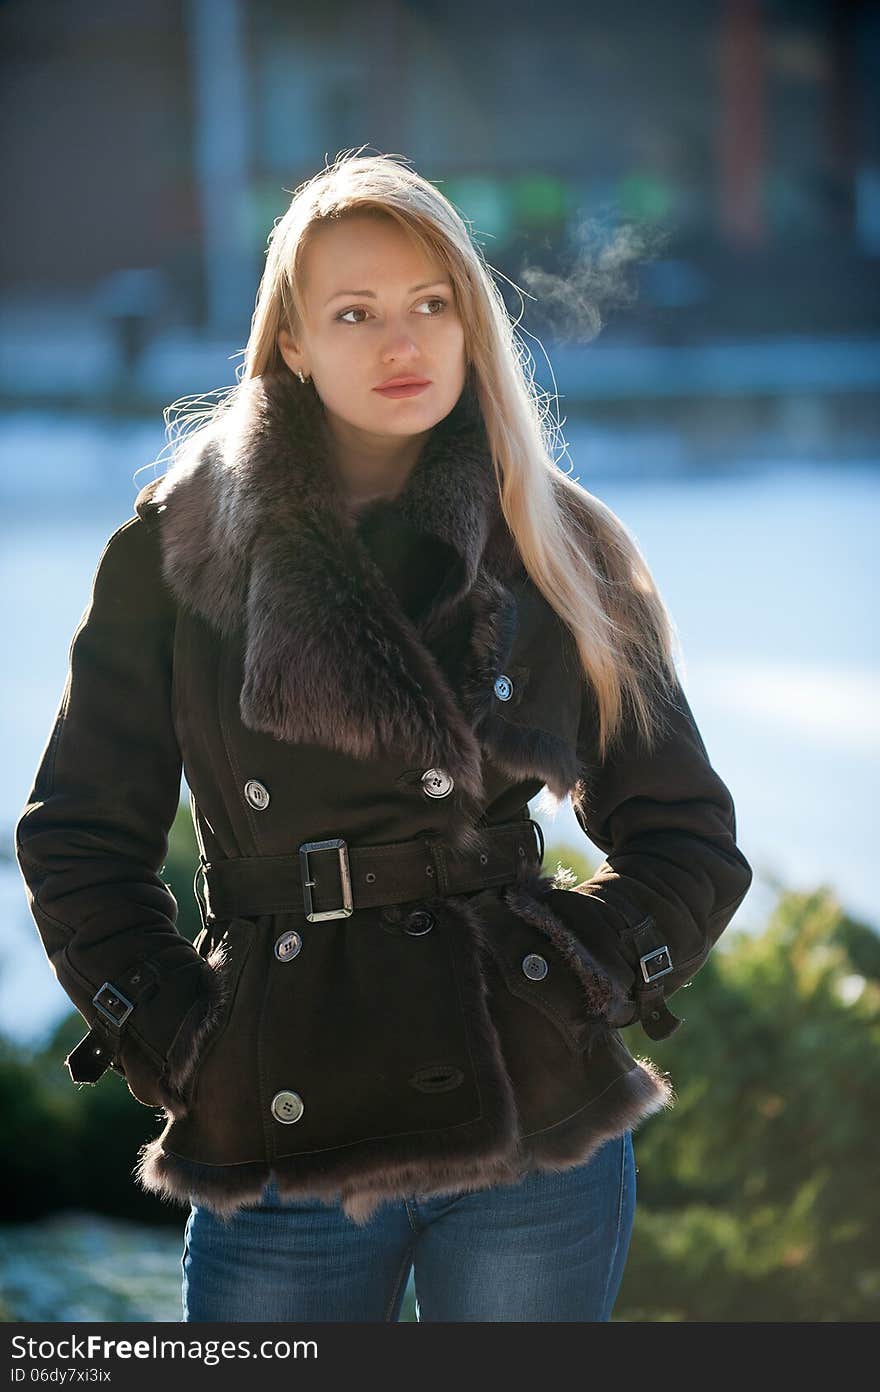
(537,827)
(202,901)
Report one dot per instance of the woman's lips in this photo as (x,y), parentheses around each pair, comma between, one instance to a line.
(412,389)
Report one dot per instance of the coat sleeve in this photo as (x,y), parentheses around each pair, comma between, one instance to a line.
(673,875)
(93,835)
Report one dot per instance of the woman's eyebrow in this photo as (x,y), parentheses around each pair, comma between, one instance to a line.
(370,294)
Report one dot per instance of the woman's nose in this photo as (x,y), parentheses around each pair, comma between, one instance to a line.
(401,344)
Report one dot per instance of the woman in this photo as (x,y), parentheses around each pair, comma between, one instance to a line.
(370,623)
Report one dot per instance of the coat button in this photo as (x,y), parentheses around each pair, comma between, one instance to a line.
(257,794)
(503,688)
(418,922)
(287,946)
(436,783)
(287,1107)
(534,966)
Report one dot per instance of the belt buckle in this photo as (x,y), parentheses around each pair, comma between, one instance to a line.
(338,844)
(658,952)
(114,1006)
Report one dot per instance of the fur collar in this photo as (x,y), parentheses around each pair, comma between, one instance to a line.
(258,540)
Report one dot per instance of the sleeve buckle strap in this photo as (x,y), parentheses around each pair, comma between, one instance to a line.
(656,963)
(112,1004)
(92,1056)
(97,1051)
(657,1020)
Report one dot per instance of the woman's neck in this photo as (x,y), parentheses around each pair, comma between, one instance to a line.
(366,473)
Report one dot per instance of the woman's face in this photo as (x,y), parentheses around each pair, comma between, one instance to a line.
(376,309)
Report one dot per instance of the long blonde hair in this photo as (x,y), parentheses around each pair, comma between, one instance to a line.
(577,551)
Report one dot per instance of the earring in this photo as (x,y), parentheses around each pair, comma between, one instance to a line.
(300,376)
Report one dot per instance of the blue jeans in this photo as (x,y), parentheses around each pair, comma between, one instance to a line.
(551,1247)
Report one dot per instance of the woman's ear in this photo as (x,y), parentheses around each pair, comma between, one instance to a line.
(289,351)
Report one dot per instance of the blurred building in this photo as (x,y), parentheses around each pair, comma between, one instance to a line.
(166,137)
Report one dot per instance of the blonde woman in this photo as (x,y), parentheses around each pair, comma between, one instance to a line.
(370,619)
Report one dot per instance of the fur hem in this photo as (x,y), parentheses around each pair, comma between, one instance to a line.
(227,1188)
(360,1184)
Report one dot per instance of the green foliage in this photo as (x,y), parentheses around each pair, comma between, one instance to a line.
(757,1195)
(64,1145)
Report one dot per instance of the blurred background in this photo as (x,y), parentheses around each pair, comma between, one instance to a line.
(683,205)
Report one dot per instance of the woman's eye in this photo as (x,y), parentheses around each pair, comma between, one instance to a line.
(359,309)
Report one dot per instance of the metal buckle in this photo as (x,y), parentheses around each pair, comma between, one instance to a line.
(657,952)
(115,1007)
(336,843)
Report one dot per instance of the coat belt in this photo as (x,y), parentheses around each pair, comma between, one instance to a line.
(329,879)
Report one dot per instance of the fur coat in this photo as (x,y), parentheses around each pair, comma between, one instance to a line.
(392,679)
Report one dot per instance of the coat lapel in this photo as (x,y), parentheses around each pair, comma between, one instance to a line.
(257,539)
